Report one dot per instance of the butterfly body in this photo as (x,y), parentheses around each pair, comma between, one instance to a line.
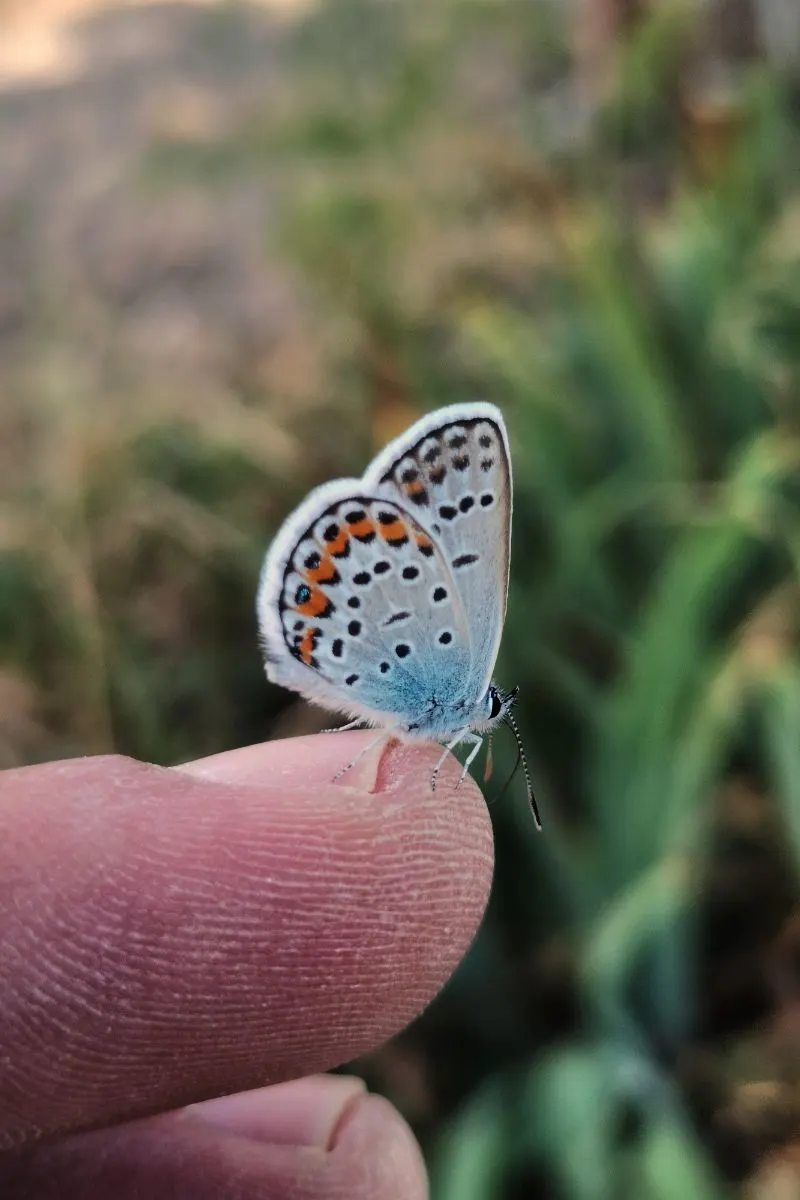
(384,597)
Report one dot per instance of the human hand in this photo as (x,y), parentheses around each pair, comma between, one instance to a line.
(167,936)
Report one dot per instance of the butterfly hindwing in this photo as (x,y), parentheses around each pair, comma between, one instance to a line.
(365,613)
(453,470)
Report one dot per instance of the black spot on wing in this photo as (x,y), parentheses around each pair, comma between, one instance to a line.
(397,616)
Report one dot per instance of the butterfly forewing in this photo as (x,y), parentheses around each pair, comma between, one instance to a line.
(369,614)
(456,477)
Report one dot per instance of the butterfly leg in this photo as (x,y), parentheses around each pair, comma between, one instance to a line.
(451,745)
(382,736)
(477,742)
(343,728)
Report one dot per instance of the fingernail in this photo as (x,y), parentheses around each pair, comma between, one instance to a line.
(410,764)
(317,760)
(305,1112)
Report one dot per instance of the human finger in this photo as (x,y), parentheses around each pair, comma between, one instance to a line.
(316,1139)
(171,935)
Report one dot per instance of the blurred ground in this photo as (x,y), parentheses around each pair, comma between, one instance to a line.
(86,241)
(130,307)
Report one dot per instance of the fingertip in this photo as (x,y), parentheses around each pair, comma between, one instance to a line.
(364,761)
(372,1155)
(390,785)
(376,1155)
(300,1112)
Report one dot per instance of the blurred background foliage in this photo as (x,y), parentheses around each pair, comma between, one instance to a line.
(243,246)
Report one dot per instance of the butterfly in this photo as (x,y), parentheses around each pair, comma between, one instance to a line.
(384,597)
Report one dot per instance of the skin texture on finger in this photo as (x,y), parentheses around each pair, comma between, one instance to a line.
(172,935)
(370,1155)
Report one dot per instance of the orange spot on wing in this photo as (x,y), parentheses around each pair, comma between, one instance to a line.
(316,604)
(306,646)
(364,528)
(323,573)
(339,543)
(394,531)
(415,488)
(424,542)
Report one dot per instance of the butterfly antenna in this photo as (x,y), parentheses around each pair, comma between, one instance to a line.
(505,786)
(509,720)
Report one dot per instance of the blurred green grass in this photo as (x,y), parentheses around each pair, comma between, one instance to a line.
(469,213)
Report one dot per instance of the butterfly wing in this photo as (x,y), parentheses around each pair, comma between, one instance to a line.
(453,470)
(358,607)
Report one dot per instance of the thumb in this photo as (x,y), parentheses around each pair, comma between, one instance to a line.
(321,1138)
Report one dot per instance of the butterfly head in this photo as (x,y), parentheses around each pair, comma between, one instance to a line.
(498,706)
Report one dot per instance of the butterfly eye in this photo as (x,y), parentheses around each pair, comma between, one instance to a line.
(496,702)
